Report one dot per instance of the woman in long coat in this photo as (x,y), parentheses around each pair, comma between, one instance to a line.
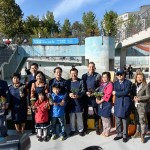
(18,103)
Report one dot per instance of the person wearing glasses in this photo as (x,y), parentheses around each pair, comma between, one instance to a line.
(122,105)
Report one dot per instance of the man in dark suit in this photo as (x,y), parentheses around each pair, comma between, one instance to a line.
(122,105)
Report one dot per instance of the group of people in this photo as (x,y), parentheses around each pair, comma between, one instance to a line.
(71,99)
(128,71)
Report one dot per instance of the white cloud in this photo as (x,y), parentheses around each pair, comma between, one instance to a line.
(19,2)
(68,6)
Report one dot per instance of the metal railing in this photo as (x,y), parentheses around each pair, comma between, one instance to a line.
(134,24)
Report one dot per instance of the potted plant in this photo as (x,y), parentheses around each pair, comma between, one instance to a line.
(2,101)
(98,95)
(33,101)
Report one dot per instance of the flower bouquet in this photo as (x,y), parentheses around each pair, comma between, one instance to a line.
(98,95)
(33,101)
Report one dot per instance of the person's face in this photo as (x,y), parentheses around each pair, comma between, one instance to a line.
(56,91)
(105,78)
(120,76)
(58,73)
(73,75)
(41,97)
(91,68)
(139,78)
(33,69)
(15,80)
(39,77)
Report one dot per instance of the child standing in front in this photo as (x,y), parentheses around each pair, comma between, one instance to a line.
(57,111)
(41,108)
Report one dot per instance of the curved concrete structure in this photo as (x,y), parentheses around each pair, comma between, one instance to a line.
(100,50)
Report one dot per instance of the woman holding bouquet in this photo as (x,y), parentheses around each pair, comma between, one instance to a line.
(104,102)
(18,103)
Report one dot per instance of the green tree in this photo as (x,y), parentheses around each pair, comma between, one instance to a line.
(90,24)
(31,24)
(10,18)
(50,24)
(66,29)
(109,23)
(77,29)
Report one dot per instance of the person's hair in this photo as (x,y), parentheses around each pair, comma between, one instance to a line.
(142,74)
(91,63)
(56,86)
(16,75)
(42,93)
(57,68)
(73,69)
(108,75)
(40,72)
(34,64)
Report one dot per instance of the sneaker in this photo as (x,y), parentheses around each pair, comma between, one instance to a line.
(81,133)
(40,139)
(71,133)
(62,138)
(136,135)
(53,137)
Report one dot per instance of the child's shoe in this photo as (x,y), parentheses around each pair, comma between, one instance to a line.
(53,137)
(62,138)
(40,139)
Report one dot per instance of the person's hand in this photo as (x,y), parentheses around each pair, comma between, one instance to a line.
(98,101)
(55,104)
(88,94)
(136,99)
(113,92)
(71,95)
(62,103)
(76,96)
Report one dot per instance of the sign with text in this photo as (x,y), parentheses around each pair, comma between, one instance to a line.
(55,41)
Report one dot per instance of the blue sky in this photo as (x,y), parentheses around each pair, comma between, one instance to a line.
(74,9)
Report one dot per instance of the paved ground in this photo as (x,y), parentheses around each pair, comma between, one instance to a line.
(79,143)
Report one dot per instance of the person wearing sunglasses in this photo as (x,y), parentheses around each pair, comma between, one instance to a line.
(122,105)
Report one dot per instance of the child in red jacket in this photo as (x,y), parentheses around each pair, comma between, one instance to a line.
(41,108)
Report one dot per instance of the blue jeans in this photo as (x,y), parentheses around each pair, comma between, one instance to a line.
(62,125)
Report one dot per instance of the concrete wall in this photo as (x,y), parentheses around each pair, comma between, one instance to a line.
(100,50)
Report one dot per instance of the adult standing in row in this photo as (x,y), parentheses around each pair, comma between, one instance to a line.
(122,105)
(92,81)
(105,102)
(4,96)
(75,101)
(28,81)
(18,103)
(141,93)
